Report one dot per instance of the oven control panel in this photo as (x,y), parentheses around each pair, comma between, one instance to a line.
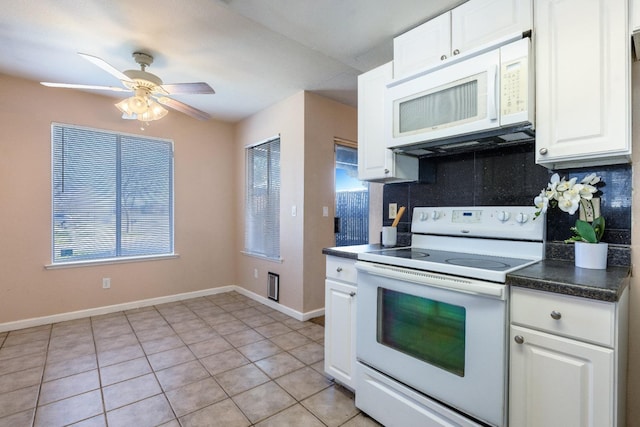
(503,222)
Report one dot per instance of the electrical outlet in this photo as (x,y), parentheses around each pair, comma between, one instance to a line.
(106,283)
(393,210)
(255,273)
(590,210)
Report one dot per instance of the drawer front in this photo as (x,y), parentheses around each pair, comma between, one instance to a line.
(573,317)
(342,269)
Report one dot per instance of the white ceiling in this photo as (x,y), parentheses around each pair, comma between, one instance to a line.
(254,53)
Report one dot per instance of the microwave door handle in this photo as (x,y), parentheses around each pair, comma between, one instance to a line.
(492,92)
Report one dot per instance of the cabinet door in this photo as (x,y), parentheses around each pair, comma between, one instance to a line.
(489,22)
(340,317)
(583,82)
(375,161)
(559,382)
(635,16)
(422,47)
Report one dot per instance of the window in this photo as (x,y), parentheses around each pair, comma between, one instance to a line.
(112,195)
(262,211)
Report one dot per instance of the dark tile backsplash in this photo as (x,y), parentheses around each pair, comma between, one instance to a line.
(509,177)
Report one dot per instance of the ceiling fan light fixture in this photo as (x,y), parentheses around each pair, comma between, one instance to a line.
(124,107)
(154,112)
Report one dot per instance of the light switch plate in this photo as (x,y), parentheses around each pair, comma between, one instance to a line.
(393,210)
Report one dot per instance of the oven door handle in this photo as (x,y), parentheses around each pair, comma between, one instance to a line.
(459,284)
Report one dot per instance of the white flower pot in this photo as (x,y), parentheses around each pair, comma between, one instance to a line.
(591,255)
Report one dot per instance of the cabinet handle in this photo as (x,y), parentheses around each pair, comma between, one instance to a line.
(543,151)
(352,294)
(556,315)
(443,57)
(339,269)
(456,52)
(518,339)
(386,171)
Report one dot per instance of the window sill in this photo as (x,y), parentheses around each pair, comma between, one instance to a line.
(266,258)
(107,261)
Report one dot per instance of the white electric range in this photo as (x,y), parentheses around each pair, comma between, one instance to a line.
(432,318)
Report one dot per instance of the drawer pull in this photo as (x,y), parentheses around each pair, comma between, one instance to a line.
(556,315)
(518,339)
(339,269)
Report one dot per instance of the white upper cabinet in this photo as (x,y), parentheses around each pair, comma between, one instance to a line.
(469,28)
(479,23)
(375,161)
(635,16)
(422,47)
(583,107)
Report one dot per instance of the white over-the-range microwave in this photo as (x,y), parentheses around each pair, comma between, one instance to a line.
(477,102)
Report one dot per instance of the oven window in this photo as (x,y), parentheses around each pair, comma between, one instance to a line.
(432,331)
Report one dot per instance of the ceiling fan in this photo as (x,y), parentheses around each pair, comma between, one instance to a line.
(148,90)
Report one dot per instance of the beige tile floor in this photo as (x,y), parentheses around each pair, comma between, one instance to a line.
(221,360)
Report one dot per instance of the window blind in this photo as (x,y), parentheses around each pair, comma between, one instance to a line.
(112,195)
(262,207)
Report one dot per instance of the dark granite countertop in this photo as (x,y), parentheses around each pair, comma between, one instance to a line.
(557,276)
(563,277)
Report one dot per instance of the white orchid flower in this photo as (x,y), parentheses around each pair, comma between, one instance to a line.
(587,191)
(566,185)
(575,192)
(567,195)
(591,179)
(569,202)
(541,202)
(552,192)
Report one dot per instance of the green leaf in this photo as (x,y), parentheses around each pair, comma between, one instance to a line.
(586,231)
(598,227)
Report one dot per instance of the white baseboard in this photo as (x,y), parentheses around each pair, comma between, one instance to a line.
(281,308)
(72,315)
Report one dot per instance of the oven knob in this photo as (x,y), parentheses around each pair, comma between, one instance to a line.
(522,218)
(423,216)
(504,216)
(435,214)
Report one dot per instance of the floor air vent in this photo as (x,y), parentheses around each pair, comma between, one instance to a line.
(273,287)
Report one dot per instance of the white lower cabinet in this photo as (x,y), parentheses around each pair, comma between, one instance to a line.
(340,321)
(557,381)
(563,371)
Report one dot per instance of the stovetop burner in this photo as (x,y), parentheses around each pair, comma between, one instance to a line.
(407,253)
(487,264)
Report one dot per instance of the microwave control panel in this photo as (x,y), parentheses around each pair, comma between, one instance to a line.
(514,87)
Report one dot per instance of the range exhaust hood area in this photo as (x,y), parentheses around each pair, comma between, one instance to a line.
(486,140)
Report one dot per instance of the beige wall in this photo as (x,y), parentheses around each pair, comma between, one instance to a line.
(324,120)
(285,119)
(307,125)
(204,216)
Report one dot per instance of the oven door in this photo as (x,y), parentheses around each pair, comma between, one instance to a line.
(441,335)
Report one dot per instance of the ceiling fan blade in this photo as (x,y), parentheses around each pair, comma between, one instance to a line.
(188,88)
(92,87)
(184,108)
(105,66)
